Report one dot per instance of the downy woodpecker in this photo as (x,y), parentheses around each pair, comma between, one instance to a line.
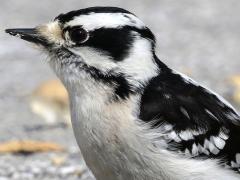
(134,118)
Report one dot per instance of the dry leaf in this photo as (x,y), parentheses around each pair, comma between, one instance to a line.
(235,81)
(52,90)
(58,160)
(50,101)
(236,96)
(28,146)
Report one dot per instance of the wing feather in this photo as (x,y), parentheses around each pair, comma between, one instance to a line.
(203,123)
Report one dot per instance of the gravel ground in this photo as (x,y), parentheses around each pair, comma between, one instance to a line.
(200,38)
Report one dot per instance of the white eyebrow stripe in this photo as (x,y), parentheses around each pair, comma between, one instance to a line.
(107,20)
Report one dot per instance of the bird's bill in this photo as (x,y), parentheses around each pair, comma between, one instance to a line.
(28,34)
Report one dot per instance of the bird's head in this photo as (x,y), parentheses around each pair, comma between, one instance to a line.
(107,44)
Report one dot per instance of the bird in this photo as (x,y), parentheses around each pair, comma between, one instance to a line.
(135,118)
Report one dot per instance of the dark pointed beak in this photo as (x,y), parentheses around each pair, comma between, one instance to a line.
(30,35)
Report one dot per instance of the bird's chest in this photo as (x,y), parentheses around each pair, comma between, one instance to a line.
(92,119)
(100,131)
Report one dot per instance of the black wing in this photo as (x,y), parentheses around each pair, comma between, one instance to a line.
(194,120)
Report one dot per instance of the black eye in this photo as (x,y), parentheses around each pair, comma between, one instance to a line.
(78,35)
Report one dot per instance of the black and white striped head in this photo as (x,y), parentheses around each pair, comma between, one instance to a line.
(101,40)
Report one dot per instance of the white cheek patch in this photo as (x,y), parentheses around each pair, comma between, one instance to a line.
(107,20)
(95,58)
(52,32)
(139,64)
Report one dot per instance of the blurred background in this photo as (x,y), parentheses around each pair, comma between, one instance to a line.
(199,38)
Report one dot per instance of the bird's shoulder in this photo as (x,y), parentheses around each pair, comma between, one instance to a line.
(193,119)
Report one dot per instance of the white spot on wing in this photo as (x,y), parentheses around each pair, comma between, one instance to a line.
(167,127)
(234,165)
(187,152)
(205,151)
(199,132)
(186,135)
(238,158)
(194,150)
(232,116)
(206,144)
(200,148)
(167,96)
(213,149)
(172,135)
(220,143)
(211,114)
(223,135)
(184,111)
